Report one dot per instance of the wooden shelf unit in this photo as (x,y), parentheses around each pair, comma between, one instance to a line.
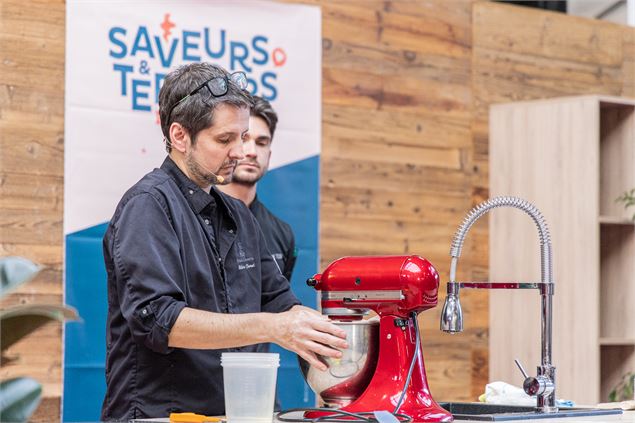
(617,341)
(571,157)
(612,220)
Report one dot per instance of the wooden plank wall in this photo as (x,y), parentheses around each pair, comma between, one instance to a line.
(533,55)
(406,88)
(397,155)
(31,176)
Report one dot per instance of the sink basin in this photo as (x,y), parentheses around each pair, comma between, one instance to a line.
(493,412)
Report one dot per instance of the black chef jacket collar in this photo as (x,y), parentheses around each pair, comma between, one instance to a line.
(198,199)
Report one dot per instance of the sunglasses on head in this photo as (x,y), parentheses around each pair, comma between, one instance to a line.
(214,87)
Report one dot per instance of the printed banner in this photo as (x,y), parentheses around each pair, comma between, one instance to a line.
(117,55)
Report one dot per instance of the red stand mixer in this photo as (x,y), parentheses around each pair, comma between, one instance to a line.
(396,288)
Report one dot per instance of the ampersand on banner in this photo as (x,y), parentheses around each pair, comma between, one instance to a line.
(144,68)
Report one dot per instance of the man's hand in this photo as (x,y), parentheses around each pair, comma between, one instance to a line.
(307,333)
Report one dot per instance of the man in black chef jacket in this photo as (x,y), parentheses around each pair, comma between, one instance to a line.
(189,272)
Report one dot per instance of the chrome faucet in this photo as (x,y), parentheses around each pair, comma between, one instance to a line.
(544,384)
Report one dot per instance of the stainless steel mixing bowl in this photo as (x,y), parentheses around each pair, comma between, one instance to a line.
(347,377)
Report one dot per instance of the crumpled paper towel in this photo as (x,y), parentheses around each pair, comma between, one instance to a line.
(502,393)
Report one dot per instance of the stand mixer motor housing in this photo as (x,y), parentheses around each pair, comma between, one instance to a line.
(394,287)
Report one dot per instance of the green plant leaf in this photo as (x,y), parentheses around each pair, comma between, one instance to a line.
(613,396)
(15,271)
(628,198)
(19,399)
(624,389)
(19,321)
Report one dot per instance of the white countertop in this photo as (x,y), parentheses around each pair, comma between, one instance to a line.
(626,416)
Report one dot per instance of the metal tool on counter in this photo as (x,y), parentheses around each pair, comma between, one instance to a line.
(383,369)
(544,384)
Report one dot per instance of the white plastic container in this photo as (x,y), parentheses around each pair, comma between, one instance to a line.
(250,386)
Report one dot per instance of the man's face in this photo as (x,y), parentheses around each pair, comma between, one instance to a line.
(219,148)
(257,150)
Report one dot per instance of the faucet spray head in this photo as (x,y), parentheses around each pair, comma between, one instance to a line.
(452,314)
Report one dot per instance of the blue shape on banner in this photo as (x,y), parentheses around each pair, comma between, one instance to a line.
(124,69)
(138,94)
(221,50)
(187,56)
(142,43)
(85,342)
(119,43)
(260,49)
(166,62)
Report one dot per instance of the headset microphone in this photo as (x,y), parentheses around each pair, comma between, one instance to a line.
(219,178)
(168,147)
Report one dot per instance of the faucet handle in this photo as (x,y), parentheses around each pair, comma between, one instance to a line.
(540,385)
(520,367)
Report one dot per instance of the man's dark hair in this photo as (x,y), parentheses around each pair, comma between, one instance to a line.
(262,109)
(197,112)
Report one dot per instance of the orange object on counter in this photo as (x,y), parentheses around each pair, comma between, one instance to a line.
(192,418)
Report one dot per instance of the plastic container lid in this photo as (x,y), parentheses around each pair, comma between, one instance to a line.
(244,359)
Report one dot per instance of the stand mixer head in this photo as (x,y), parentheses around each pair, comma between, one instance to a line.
(373,374)
(388,285)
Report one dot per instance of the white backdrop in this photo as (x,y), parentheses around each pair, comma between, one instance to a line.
(117,54)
